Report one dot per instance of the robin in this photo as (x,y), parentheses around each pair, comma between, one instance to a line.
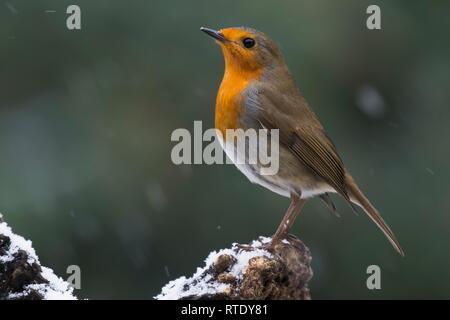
(259,92)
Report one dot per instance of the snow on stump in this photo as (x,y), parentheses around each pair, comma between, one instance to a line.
(21,275)
(248,272)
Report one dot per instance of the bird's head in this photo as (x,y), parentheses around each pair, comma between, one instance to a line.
(246,49)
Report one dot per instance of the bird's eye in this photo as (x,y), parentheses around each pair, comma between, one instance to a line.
(248,42)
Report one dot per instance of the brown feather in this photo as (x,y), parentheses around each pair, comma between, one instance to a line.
(308,141)
(358,198)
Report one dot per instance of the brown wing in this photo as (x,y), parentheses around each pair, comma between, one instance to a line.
(301,132)
(315,150)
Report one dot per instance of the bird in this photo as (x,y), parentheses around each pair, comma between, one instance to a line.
(259,92)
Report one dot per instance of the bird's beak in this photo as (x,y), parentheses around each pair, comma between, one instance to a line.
(213,33)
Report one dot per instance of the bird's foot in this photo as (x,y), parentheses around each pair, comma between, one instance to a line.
(268,246)
(277,240)
(244,247)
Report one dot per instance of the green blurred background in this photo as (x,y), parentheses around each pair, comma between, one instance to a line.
(86,118)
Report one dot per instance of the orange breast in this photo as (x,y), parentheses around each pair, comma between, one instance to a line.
(229,103)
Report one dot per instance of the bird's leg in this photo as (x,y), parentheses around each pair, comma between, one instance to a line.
(288,219)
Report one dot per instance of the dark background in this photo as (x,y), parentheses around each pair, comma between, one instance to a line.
(86,118)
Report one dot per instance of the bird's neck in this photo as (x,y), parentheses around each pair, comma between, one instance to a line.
(229,102)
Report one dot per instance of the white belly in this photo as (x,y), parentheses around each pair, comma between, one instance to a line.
(282,186)
(251,171)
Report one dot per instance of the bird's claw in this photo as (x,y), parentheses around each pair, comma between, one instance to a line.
(244,247)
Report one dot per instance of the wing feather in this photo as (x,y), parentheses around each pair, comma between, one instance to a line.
(304,137)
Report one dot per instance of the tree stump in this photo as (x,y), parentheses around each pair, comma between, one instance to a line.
(248,272)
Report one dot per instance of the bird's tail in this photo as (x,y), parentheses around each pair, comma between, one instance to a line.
(357,197)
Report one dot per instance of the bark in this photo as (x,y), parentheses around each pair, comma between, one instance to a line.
(21,275)
(283,274)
